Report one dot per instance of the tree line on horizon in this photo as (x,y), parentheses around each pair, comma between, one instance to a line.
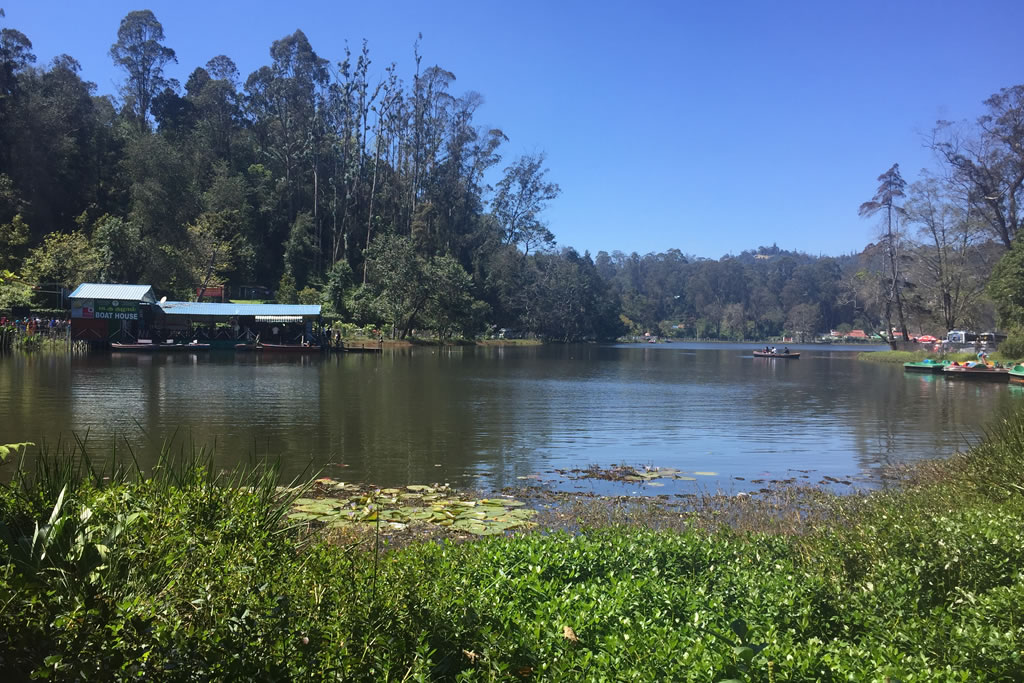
(381,198)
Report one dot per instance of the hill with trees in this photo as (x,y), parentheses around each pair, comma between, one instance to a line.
(382,198)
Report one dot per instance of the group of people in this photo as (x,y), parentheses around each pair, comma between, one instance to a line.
(53,327)
(774,350)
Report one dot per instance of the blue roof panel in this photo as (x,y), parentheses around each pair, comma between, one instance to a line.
(231,310)
(90,290)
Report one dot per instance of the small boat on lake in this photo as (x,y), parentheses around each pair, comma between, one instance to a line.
(976,371)
(926,365)
(146,345)
(134,347)
(250,346)
(778,354)
(290,347)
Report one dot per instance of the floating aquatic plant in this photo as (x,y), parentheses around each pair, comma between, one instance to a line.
(396,509)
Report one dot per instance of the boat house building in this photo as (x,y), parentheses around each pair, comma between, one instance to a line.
(108,313)
(104,313)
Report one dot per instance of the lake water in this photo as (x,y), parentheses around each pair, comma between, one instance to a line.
(490,417)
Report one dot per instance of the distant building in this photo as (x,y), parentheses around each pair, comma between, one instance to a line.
(105,312)
(212,293)
(852,334)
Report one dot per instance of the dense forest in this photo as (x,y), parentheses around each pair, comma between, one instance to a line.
(374,192)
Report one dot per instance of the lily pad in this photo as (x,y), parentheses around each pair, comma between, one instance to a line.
(339,523)
(302,516)
(706,474)
(316,509)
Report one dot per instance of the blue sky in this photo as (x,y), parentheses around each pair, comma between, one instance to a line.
(710,127)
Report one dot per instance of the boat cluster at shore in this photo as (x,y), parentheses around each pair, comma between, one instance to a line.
(980,370)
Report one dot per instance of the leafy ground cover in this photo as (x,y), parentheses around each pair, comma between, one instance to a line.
(189,575)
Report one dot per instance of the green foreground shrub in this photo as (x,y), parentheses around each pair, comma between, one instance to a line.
(184,577)
(1013,345)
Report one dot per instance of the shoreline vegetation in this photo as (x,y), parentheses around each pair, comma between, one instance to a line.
(917,356)
(184,573)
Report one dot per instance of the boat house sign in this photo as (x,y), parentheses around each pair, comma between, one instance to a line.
(105,310)
(116,310)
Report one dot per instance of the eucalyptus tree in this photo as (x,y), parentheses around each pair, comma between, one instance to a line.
(390,97)
(213,92)
(139,50)
(947,256)
(50,133)
(15,56)
(431,109)
(454,187)
(989,163)
(890,191)
(284,104)
(163,201)
(520,197)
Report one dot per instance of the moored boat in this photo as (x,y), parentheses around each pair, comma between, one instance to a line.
(290,347)
(1016,374)
(147,345)
(976,371)
(768,354)
(134,347)
(926,365)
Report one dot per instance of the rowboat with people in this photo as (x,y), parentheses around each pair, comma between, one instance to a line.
(772,352)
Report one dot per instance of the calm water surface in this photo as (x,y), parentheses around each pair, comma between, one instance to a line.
(488,417)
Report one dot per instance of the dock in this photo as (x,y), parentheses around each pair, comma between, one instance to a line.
(362,346)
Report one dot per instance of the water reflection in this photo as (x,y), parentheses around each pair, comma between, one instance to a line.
(488,416)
